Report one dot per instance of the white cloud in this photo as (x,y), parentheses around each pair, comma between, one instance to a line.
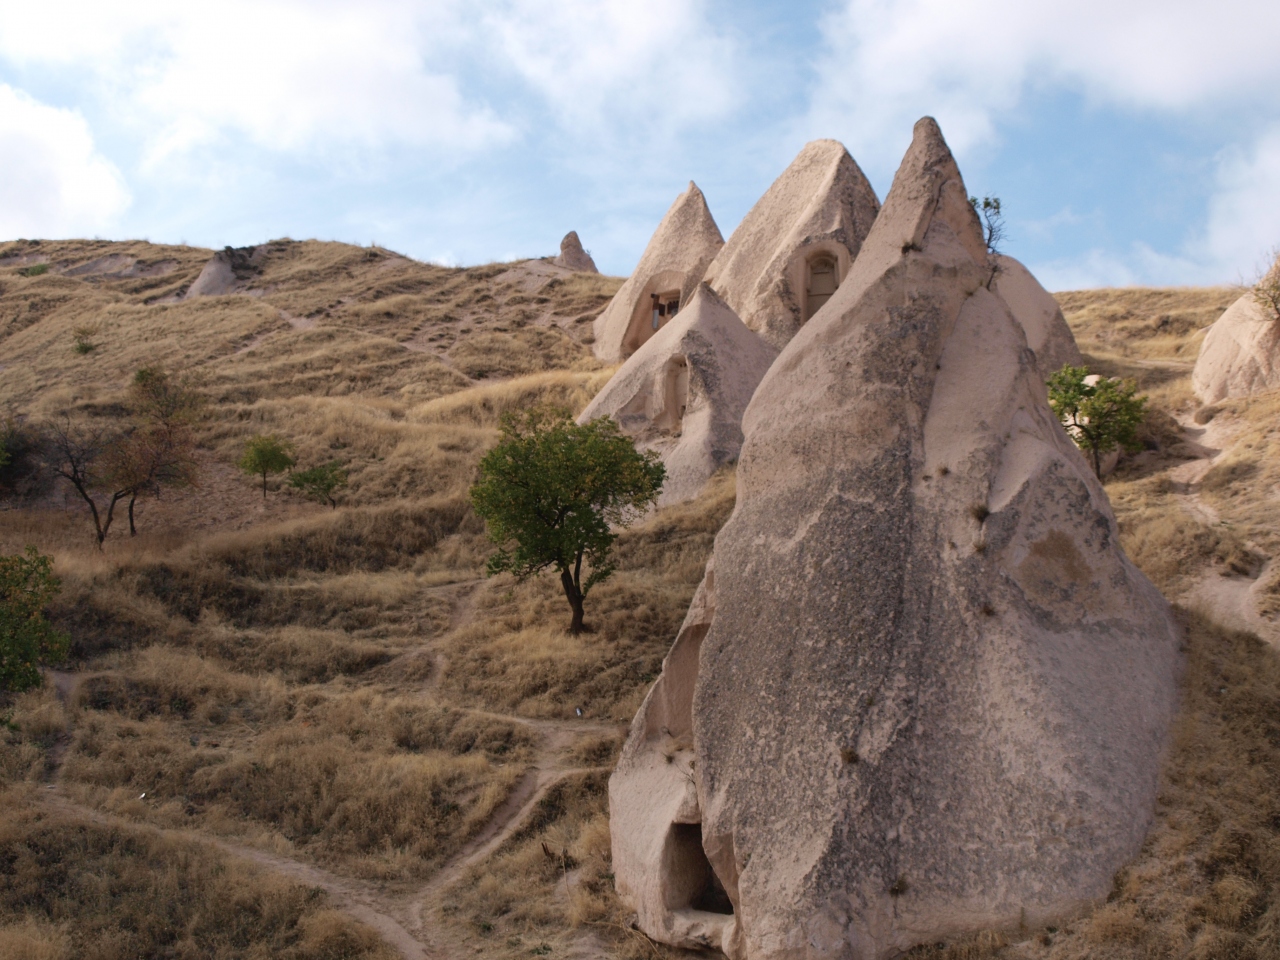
(1244,213)
(887,62)
(288,75)
(55,182)
(660,64)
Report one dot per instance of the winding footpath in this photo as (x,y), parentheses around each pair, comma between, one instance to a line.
(401,919)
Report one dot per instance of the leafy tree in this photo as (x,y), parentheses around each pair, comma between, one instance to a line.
(988,209)
(1100,413)
(552,491)
(265,454)
(27,586)
(322,482)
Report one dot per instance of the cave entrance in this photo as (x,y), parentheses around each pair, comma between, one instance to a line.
(690,883)
(822,279)
(664,307)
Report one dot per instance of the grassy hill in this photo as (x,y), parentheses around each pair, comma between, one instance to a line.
(294,731)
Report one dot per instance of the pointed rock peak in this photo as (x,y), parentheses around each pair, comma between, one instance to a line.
(927,189)
(573,256)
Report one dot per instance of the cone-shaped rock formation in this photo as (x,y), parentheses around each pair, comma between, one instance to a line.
(228,271)
(669,271)
(573,256)
(1240,354)
(924,691)
(682,394)
(1042,321)
(795,246)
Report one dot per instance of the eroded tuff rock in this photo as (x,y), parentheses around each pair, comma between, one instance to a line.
(921,690)
(230,270)
(683,392)
(1042,321)
(1240,354)
(795,246)
(669,270)
(573,256)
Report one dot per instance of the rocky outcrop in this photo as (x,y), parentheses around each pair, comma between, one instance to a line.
(668,272)
(923,691)
(230,270)
(1240,354)
(1042,321)
(683,392)
(795,246)
(573,257)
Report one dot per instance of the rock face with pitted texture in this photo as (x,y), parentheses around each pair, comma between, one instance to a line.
(795,246)
(1240,354)
(668,273)
(230,270)
(573,257)
(683,392)
(921,690)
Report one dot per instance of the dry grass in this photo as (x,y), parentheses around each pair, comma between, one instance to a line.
(1143,323)
(70,889)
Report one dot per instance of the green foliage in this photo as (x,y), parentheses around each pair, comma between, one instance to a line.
(27,586)
(159,398)
(266,454)
(35,270)
(83,336)
(1099,415)
(322,482)
(552,493)
(988,209)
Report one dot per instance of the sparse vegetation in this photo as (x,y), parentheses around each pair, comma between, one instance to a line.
(83,335)
(1266,290)
(27,641)
(1100,413)
(321,483)
(988,209)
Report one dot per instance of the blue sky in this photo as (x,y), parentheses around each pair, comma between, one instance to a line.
(1132,142)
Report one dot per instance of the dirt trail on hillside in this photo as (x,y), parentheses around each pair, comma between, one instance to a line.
(1229,599)
(400,917)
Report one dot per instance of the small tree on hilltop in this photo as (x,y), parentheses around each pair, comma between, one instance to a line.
(1266,292)
(1100,413)
(553,491)
(266,454)
(321,483)
(27,586)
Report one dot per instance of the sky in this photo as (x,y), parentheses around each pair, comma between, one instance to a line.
(1130,141)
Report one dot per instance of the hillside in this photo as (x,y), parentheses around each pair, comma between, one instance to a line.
(292,731)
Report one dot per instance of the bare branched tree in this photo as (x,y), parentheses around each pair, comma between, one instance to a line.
(77,452)
(1266,292)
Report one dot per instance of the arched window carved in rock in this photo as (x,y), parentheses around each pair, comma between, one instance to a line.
(821,279)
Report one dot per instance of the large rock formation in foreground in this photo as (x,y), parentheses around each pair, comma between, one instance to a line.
(682,394)
(795,246)
(921,690)
(1240,354)
(669,270)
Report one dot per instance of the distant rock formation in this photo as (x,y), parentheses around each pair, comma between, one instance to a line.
(230,270)
(1042,321)
(669,271)
(795,246)
(1240,354)
(572,256)
(683,392)
(921,690)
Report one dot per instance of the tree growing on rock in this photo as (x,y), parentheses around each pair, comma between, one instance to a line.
(552,492)
(265,454)
(988,210)
(1099,413)
(1266,291)
(27,586)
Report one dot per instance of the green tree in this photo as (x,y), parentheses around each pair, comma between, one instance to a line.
(988,208)
(552,493)
(27,586)
(266,454)
(322,482)
(1100,413)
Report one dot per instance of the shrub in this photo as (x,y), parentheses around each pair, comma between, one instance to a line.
(27,586)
